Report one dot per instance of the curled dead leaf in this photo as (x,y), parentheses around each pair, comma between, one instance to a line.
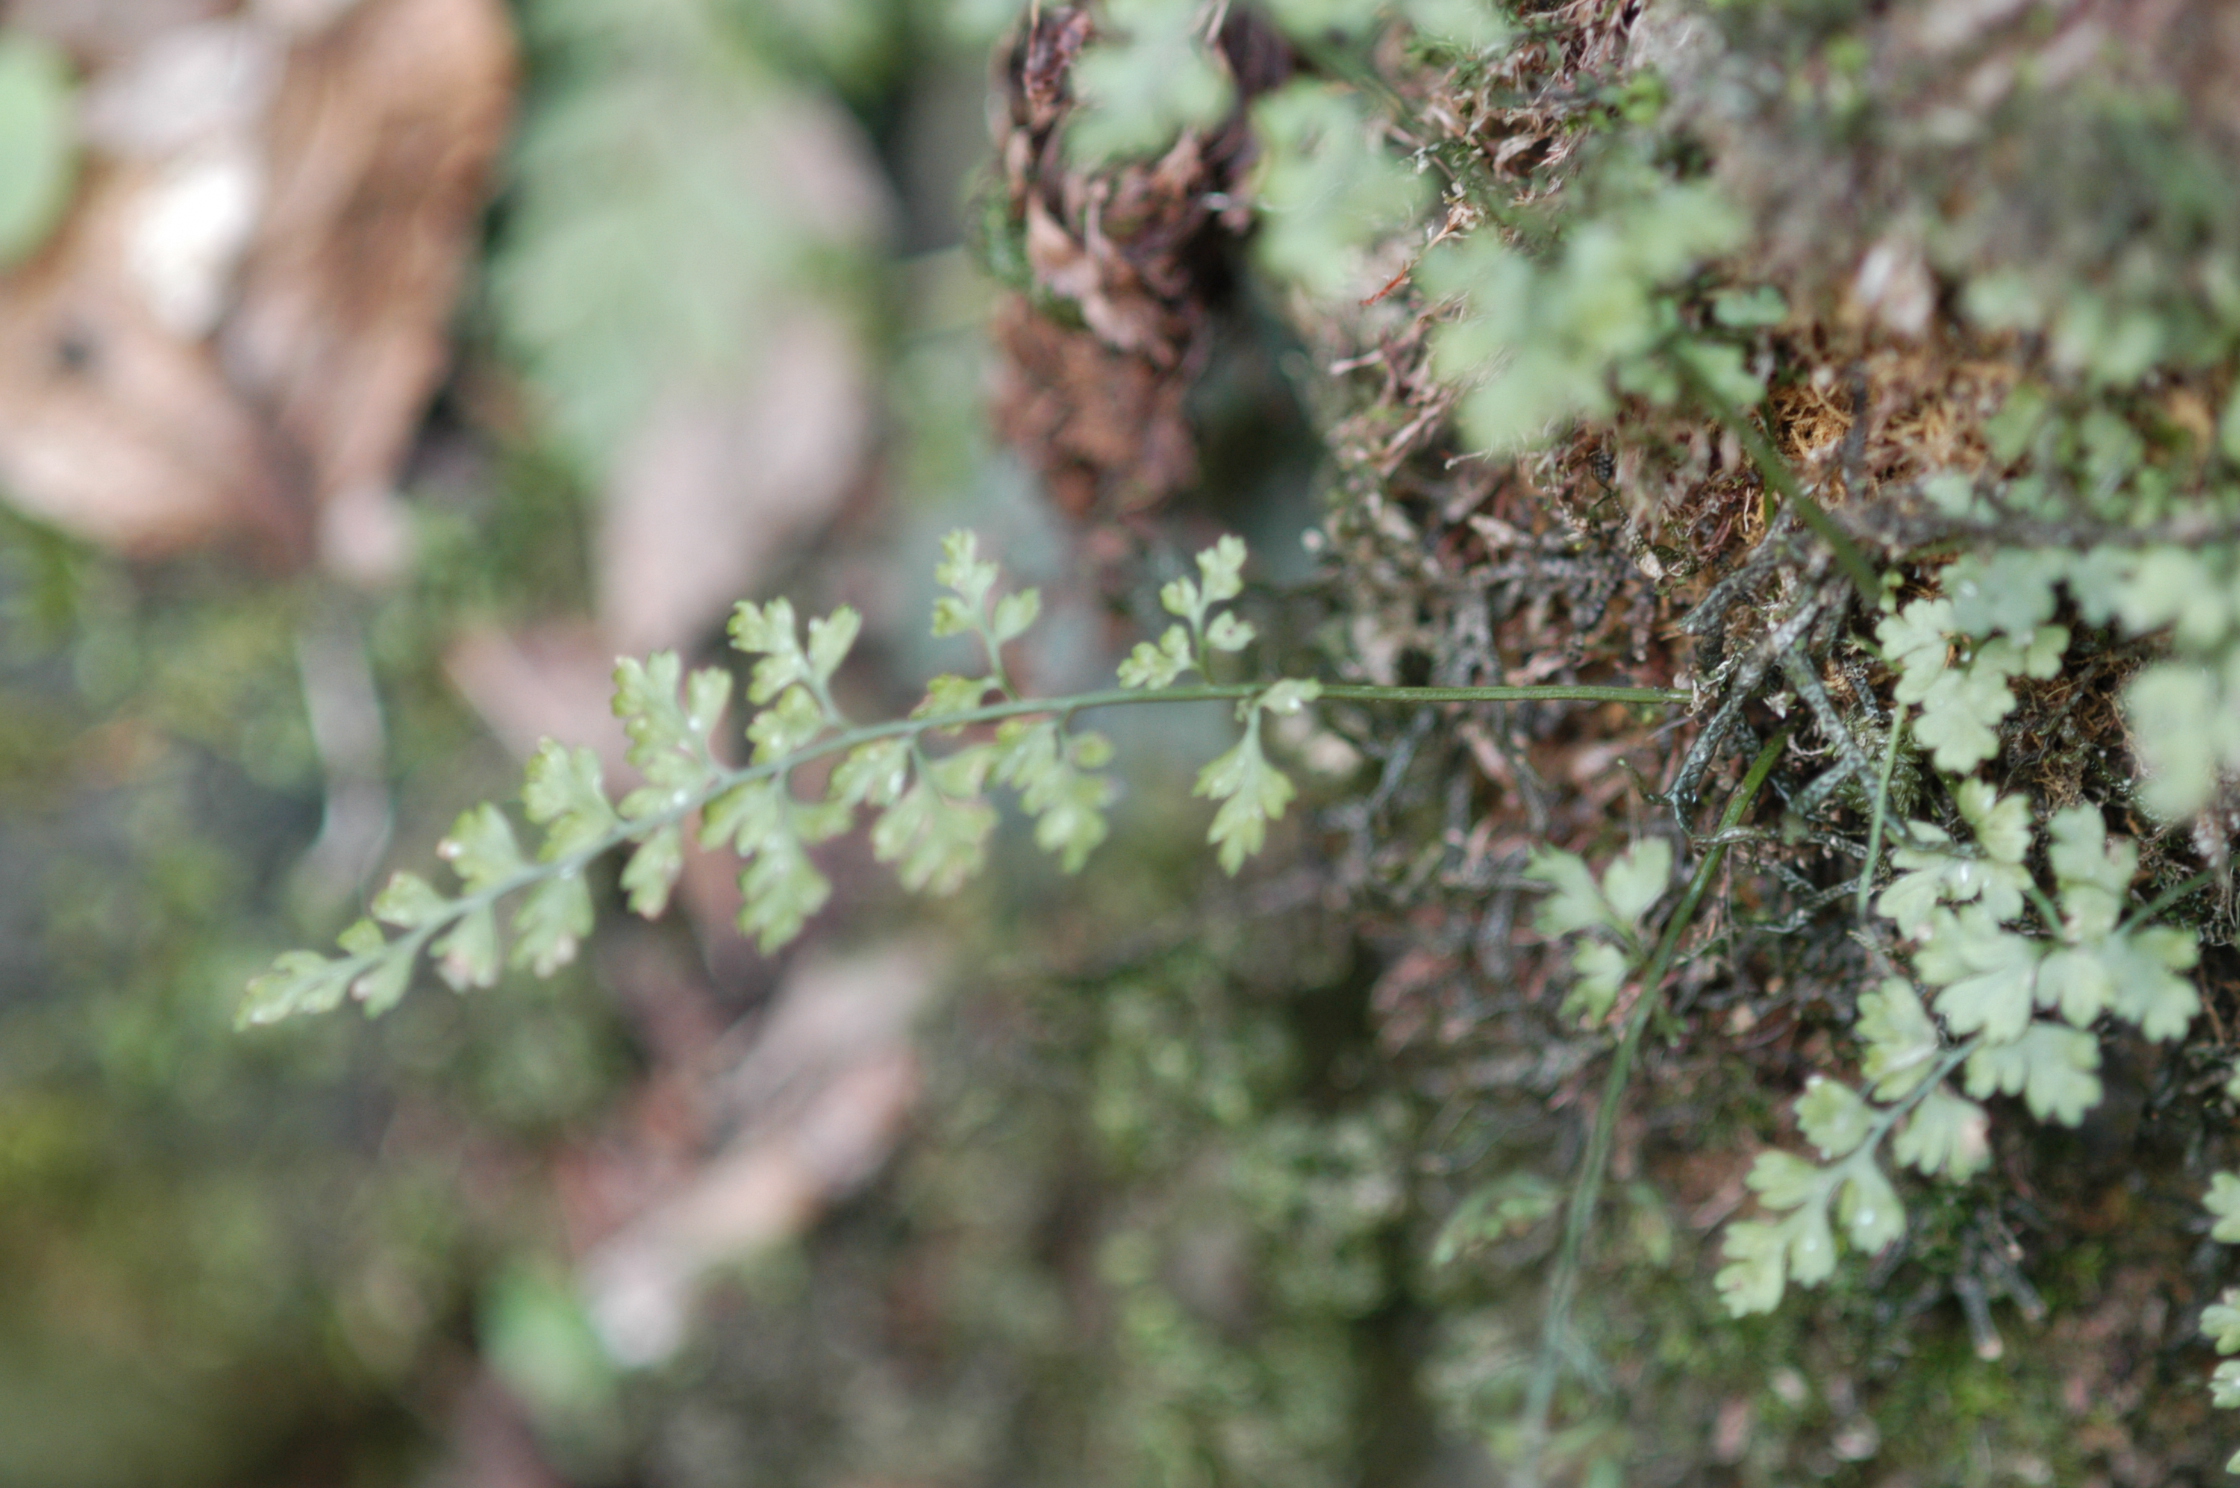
(244,315)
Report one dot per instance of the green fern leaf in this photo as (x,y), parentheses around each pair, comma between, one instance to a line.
(551,923)
(1944,1135)
(1252,793)
(563,792)
(466,956)
(652,871)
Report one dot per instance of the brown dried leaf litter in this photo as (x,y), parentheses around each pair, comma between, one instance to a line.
(235,333)
(1128,267)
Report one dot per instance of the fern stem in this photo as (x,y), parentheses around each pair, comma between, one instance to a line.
(1887,1119)
(2167,898)
(1783,480)
(1349,693)
(721,779)
(1579,1216)
(1881,808)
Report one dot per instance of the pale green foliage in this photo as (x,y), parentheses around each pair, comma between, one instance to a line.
(1630,887)
(1325,186)
(307,982)
(971,580)
(1832,1117)
(1220,579)
(1148,77)
(970,577)
(1764,1255)
(2185,711)
(2018,953)
(1151,74)
(1987,973)
(1962,701)
(550,924)
(1936,871)
(1601,971)
(380,988)
(932,816)
(2185,735)
(657,237)
(2009,590)
(2049,1066)
(38,142)
(1055,774)
(1577,902)
(1161,665)
(1945,1136)
(762,822)
(1615,912)
(1541,340)
(563,791)
(1900,1038)
(1475,26)
(1637,880)
(1188,647)
(770,633)
(2223,1202)
(1251,791)
(466,955)
(2108,342)
(2220,1323)
(1994,977)
(935,839)
(1994,981)
(1546,342)
(1750,309)
(408,901)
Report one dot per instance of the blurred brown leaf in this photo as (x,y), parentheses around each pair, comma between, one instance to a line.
(105,30)
(1082,411)
(489,1442)
(817,1098)
(381,143)
(241,322)
(1134,249)
(716,483)
(550,681)
(111,426)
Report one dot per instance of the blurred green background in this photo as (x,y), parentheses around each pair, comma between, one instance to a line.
(716,331)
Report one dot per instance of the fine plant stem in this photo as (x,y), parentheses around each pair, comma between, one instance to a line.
(2167,898)
(1881,808)
(1586,1193)
(721,779)
(1334,692)
(1778,475)
(1887,1120)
